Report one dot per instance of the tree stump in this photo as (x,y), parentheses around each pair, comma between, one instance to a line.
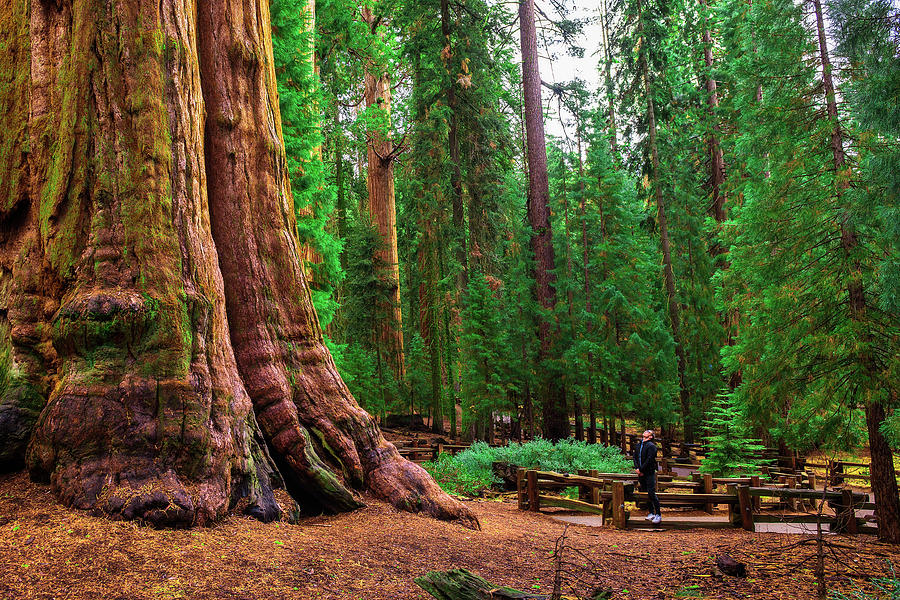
(507,473)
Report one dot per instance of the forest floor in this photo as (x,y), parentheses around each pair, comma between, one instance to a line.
(50,552)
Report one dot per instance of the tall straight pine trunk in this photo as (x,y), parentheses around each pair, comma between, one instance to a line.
(668,273)
(556,417)
(383,211)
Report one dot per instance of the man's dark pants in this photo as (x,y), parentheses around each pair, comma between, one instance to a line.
(647,482)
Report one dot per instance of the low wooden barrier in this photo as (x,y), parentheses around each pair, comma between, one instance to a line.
(839,472)
(605,494)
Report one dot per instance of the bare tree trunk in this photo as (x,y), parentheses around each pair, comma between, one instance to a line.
(556,418)
(610,96)
(308,254)
(382,208)
(716,157)
(159,232)
(884,482)
(459,228)
(668,274)
(585,244)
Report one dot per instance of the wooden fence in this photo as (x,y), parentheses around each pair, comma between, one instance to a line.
(605,494)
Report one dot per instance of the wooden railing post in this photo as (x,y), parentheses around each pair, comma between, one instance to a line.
(520,489)
(708,489)
(837,473)
(583,490)
(595,490)
(746,508)
(845,519)
(534,503)
(757,500)
(618,505)
(734,514)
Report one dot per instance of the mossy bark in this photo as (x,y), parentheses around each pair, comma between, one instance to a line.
(154,198)
(327,442)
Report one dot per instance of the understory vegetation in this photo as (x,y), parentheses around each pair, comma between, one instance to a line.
(470,473)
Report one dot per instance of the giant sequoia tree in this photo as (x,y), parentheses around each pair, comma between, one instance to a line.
(157,339)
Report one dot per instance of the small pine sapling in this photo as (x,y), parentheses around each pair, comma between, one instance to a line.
(734,452)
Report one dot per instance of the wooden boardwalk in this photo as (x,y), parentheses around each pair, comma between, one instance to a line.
(640,524)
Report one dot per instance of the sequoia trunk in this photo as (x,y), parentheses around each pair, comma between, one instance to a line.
(151,278)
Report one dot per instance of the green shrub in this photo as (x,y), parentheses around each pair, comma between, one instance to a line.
(460,479)
(465,472)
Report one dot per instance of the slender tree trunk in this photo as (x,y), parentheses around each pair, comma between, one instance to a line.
(585,245)
(382,208)
(884,482)
(668,274)
(610,94)
(459,230)
(159,232)
(570,295)
(556,418)
(716,157)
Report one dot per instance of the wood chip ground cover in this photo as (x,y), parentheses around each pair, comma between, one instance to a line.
(50,552)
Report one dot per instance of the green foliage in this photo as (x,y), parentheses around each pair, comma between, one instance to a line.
(459,478)
(734,453)
(868,35)
(472,467)
(299,100)
(806,362)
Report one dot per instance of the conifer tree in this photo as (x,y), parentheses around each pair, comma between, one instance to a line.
(734,453)
(818,347)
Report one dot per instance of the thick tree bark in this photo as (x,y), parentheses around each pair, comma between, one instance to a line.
(151,278)
(884,483)
(556,418)
(147,417)
(382,209)
(668,273)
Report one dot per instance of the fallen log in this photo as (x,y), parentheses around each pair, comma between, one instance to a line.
(461,584)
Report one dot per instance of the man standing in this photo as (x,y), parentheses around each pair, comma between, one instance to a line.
(645,467)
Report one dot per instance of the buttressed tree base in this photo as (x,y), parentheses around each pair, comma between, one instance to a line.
(159,352)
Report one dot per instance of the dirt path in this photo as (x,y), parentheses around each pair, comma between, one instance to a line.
(47,552)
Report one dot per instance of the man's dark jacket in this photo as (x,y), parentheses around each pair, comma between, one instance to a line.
(645,457)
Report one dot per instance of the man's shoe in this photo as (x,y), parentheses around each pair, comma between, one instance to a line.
(656,520)
(650,516)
